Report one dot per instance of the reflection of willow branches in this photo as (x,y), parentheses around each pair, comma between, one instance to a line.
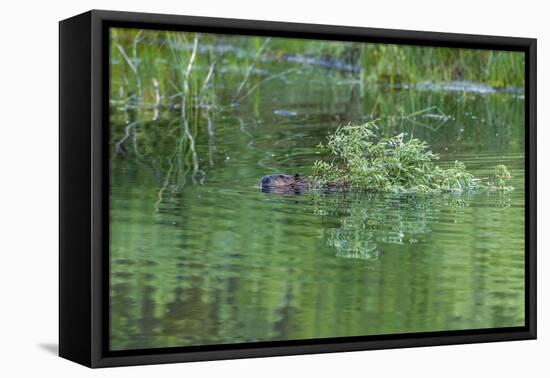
(194,154)
(195,97)
(249,70)
(187,75)
(164,185)
(185,122)
(167,179)
(208,87)
(186,139)
(211,137)
(127,130)
(498,199)
(245,131)
(434,113)
(269,78)
(156,93)
(371,219)
(206,83)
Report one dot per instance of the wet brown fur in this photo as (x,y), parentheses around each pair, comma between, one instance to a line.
(284,183)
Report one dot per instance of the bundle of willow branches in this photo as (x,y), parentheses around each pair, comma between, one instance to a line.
(362,160)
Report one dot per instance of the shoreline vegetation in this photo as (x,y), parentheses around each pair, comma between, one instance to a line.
(156,66)
(362,160)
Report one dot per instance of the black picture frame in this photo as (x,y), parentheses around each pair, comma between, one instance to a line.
(83,194)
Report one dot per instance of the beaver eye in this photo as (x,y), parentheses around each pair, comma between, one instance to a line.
(281,176)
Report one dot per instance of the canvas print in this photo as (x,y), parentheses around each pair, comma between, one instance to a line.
(266,189)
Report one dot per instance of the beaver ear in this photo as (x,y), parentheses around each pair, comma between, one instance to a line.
(296,175)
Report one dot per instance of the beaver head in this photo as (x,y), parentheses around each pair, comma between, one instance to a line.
(277,181)
(283,184)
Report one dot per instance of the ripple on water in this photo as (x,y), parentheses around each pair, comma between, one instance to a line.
(430,261)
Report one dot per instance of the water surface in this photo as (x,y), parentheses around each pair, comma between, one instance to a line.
(213,260)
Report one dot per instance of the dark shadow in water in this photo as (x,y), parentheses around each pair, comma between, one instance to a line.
(288,190)
(52,348)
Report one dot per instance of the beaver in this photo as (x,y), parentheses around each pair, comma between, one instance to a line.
(285,184)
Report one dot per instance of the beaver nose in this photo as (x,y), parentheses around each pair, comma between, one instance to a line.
(265,181)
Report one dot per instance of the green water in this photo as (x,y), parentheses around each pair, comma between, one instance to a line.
(213,260)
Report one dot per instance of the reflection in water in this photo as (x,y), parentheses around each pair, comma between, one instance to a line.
(222,263)
(368,220)
(200,255)
(371,219)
